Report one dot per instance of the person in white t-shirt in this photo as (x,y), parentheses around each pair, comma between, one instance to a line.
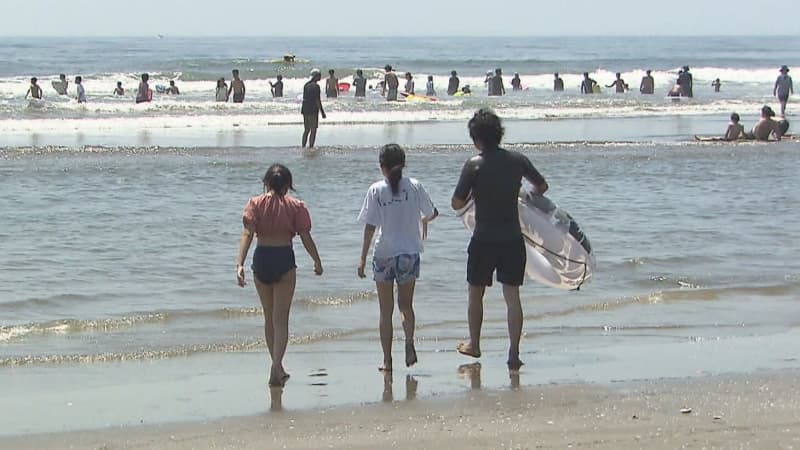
(399,209)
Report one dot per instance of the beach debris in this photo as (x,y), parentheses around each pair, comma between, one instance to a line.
(717,417)
(635,417)
(686,410)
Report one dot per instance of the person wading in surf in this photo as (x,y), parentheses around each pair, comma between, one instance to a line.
(274,218)
(397,207)
(493,179)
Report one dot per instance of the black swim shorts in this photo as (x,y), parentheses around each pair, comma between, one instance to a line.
(270,264)
(507,258)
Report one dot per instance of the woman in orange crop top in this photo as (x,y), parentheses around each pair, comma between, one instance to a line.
(275,217)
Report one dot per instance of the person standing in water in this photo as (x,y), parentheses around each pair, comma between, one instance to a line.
(360,83)
(409,88)
(496,86)
(716,84)
(144,94)
(686,82)
(237,87)
(452,83)
(516,82)
(61,85)
(493,179)
(783,88)
(119,90)
(221,91)
(331,85)
(648,84)
(277,88)
(429,90)
(311,108)
(558,83)
(80,91)
(619,83)
(587,85)
(34,90)
(172,89)
(274,218)
(390,84)
(396,207)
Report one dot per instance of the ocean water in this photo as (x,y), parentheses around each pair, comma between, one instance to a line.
(120,258)
(747,67)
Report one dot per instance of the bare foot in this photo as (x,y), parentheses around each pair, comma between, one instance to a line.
(386,367)
(278,378)
(465,348)
(411,354)
(515,364)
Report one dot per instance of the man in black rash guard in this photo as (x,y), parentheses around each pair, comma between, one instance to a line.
(493,179)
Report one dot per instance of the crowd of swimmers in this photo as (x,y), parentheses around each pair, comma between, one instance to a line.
(389,86)
(395,213)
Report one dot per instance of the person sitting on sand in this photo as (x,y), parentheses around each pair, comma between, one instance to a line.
(274,218)
(619,83)
(397,207)
(277,88)
(331,85)
(119,90)
(735,130)
(558,83)
(768,127)
(493,179)
(716,84)
(172,89)
(648,84)
(34,90)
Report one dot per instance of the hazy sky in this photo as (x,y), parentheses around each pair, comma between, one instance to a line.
(408,17)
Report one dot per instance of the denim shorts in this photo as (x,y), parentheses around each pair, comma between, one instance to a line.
(401,268)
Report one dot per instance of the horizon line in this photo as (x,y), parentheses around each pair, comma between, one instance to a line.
(389,36)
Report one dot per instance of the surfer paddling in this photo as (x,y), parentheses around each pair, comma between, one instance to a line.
(493,179)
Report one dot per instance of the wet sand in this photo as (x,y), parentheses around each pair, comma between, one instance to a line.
(231,134)
(748,411)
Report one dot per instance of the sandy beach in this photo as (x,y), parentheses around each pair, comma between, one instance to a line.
(760,411)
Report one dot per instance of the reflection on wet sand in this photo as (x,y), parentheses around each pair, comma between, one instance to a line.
(388,393)
(276,398)
(473,372)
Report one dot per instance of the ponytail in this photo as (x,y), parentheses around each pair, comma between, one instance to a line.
(395,175)
(393,160)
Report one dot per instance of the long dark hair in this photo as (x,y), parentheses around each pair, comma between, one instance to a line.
(278,179)
(393,159)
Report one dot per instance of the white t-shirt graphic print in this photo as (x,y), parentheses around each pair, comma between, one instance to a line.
(397,217)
